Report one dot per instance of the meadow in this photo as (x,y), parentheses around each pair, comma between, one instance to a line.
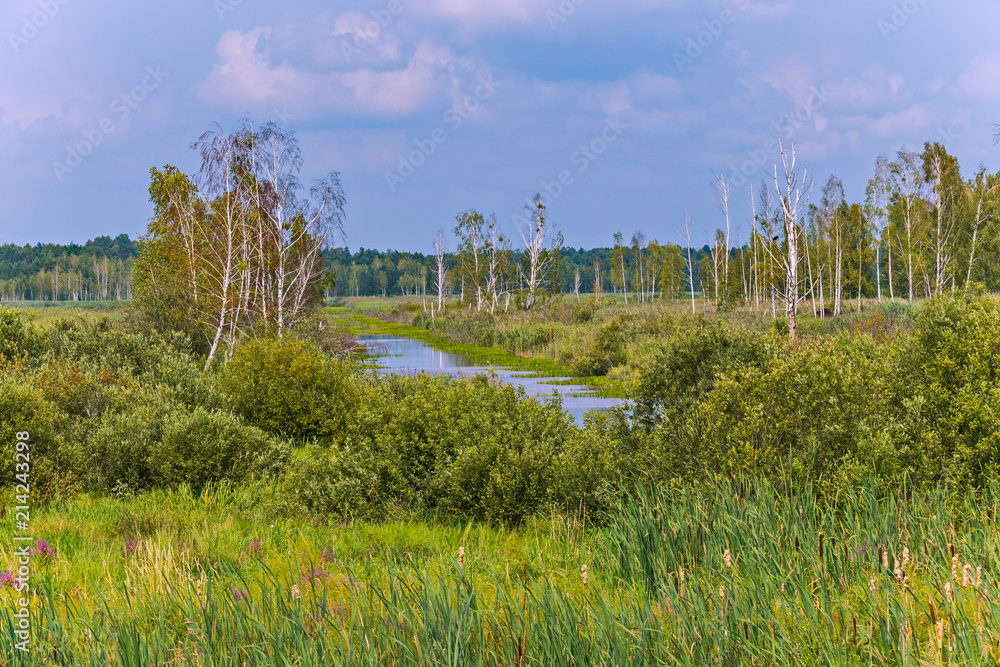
(830,500)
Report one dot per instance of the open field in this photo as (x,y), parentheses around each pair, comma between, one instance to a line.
(44,313)
(691,575)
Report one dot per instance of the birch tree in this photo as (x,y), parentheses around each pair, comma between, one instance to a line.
(724,194)
(471,233)
(877,208)
(832,213)
(907,184)
(440,266)
(793,195)
(239,249)
(690,260)
(942,177)
(542,259)
(619,263)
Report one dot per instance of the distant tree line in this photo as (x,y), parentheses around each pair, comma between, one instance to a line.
(367,272)
(101,269)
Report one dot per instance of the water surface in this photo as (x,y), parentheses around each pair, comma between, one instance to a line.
(406,356)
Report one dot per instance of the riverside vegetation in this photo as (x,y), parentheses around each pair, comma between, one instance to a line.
(217,478)
(824,500)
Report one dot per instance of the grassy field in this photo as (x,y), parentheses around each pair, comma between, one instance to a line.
(44,313)
(733,573)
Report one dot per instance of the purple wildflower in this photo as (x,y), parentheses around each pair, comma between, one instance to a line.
(6,580)
(326,553)
(43,549)
(255,547)
(314,573)
(240,594)
(131,546)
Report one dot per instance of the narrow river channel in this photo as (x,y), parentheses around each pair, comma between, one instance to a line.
(399,355)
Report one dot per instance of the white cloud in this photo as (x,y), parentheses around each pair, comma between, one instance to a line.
(245,76)
(363,32)
(902,123)
(981,78)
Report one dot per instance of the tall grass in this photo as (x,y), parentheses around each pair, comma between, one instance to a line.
(728,573)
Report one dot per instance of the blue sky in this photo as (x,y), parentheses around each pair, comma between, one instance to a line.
(431,107)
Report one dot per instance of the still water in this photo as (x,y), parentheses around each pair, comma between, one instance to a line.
(398,355)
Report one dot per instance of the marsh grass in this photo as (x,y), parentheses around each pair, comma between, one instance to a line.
(46,313)
(723,573)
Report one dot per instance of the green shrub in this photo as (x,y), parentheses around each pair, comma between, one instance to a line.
(806,414)
(472,445)
(333,482)
(202,447)
(155,443)
(53,466)
(945,394)
(609,347)
(110,345)
(18,339)
(688,365)
(290,388)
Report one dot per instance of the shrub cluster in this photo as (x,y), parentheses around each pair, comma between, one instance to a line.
(912,398)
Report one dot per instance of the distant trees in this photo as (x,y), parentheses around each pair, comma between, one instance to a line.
(238,249)
(99,270)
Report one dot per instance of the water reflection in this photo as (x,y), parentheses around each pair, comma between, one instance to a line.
(400,355)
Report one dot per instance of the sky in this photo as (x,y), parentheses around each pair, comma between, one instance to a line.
(621,113)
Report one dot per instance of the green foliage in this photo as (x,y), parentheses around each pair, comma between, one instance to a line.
(609,347)
(689,364)
(18,339)
(156,443)
(53,465)
(473,445)
(289,387)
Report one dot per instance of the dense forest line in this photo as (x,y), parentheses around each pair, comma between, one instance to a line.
(50,271)
(100,269)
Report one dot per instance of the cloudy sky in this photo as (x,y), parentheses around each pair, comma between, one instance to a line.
(620,111)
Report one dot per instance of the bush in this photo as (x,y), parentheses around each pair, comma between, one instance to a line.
(945,393)
(688,365)
(471,445)
(53,467)
(109,345)
(609,347)
(156,443)
(18,339)
(804,415)
(324,481)
(203,447)
(290,388)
